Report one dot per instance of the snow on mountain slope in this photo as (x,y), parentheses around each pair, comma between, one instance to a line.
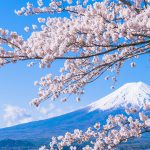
(131,94)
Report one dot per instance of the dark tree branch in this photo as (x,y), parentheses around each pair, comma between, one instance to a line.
(129,4)
(145,3)
(81,57)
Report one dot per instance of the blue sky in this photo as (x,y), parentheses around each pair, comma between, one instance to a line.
(16,80)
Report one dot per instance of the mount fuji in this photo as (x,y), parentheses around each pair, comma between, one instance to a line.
(131,94)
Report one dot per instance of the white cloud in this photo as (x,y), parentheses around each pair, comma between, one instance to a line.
(46,110)
(14,115)
(52,110)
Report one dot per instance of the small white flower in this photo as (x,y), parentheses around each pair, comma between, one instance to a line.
(63,100)
(147,122)
(97,126)
(43,148)
(78,99)
(41,20)
(36,83)
(26,29)
(133,64)
(112,87)
(40,3)
(34,27)
(107,77)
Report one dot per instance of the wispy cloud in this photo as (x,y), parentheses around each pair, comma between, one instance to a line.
(46,110)
(14,115)
(52,110)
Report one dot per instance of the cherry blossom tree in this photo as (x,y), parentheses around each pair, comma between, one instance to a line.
(91,38)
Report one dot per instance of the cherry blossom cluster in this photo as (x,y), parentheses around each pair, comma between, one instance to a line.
(12,40)
(95,37)
(118,129)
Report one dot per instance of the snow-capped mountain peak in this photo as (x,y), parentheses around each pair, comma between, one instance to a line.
(130,94)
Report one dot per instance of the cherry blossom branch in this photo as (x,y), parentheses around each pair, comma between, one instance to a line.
(83,57)
(117,130)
